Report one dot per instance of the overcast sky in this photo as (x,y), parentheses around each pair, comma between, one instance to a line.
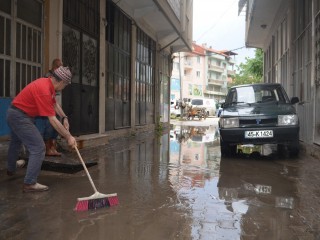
(216,22)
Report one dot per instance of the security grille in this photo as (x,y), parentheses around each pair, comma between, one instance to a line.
(80,52)
(317,76)
(20,44)
(145,78)
(118,67)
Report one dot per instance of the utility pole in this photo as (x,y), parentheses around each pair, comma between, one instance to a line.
(181,86)
(181,111)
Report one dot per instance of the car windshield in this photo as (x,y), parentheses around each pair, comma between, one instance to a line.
(197,102)
(257,94)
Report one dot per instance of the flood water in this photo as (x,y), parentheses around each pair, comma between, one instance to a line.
(175,187)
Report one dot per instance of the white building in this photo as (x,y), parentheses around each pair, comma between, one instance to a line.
(204,72)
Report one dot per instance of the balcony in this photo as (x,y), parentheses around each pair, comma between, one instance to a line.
(256,36)
(222,93)
(216,82)
(231,61)
(231,72)
(175,18)
(187,77)
(215,68)
(188,65)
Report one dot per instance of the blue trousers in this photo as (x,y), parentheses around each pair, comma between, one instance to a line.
(45,128)
(24,131)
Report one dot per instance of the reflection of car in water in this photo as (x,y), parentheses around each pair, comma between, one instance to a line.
(197,134)
(251,178)
(267,195)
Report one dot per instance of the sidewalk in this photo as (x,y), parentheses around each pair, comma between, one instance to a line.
(67,163)
(91,148)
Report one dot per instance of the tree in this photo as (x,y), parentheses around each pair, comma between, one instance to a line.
(251,71)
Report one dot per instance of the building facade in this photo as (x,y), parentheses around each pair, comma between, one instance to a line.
(288,33)
(204,72)
(119,52)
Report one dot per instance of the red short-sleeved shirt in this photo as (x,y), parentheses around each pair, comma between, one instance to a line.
(37,98)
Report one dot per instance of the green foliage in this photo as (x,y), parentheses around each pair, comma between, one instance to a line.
(251,71)
(159,127)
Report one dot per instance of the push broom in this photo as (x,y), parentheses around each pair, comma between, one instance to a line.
(96,200)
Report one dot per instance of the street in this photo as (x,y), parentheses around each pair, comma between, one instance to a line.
(175,187)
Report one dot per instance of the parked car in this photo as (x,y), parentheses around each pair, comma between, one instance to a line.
(174,109)
(259,114)
(209,104)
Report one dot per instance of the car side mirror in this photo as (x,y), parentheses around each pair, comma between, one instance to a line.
(294,100)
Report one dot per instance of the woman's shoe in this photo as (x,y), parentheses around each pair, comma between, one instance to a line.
(51,148)
(37,187)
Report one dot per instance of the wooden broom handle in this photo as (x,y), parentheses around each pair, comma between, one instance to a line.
(86,169)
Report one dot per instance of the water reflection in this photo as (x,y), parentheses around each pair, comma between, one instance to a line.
(194,175)
(267,195)
(194,155)
(229,198)
(175,187)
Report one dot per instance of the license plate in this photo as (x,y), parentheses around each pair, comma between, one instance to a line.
(263,189)
(259,134)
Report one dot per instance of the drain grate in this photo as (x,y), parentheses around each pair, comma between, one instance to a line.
(65,168)
(62,166)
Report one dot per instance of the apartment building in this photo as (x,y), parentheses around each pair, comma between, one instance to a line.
(202,73)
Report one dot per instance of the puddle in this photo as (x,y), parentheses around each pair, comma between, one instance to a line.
(174,187)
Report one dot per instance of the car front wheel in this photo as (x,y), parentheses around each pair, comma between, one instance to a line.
(227,149)
(293,149)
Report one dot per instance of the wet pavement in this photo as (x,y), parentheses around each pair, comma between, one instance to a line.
(175,187)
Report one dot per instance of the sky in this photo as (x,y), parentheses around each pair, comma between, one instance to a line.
(217,23)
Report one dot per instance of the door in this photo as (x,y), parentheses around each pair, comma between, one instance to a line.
(80,100)
(118,81)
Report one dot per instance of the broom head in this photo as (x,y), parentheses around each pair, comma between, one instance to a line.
(97,200)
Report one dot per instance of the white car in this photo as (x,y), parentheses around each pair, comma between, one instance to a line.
(209,104)
(174,109)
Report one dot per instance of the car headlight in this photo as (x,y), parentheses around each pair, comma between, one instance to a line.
(285,120)
(229,122)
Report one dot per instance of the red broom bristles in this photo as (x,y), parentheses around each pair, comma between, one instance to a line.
(81,206)
(97,200)
(113,201)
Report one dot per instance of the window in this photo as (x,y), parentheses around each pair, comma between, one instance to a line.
(145,68)
(190,89)
(16,71)
(198,73)
(302,54)
(118,33)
